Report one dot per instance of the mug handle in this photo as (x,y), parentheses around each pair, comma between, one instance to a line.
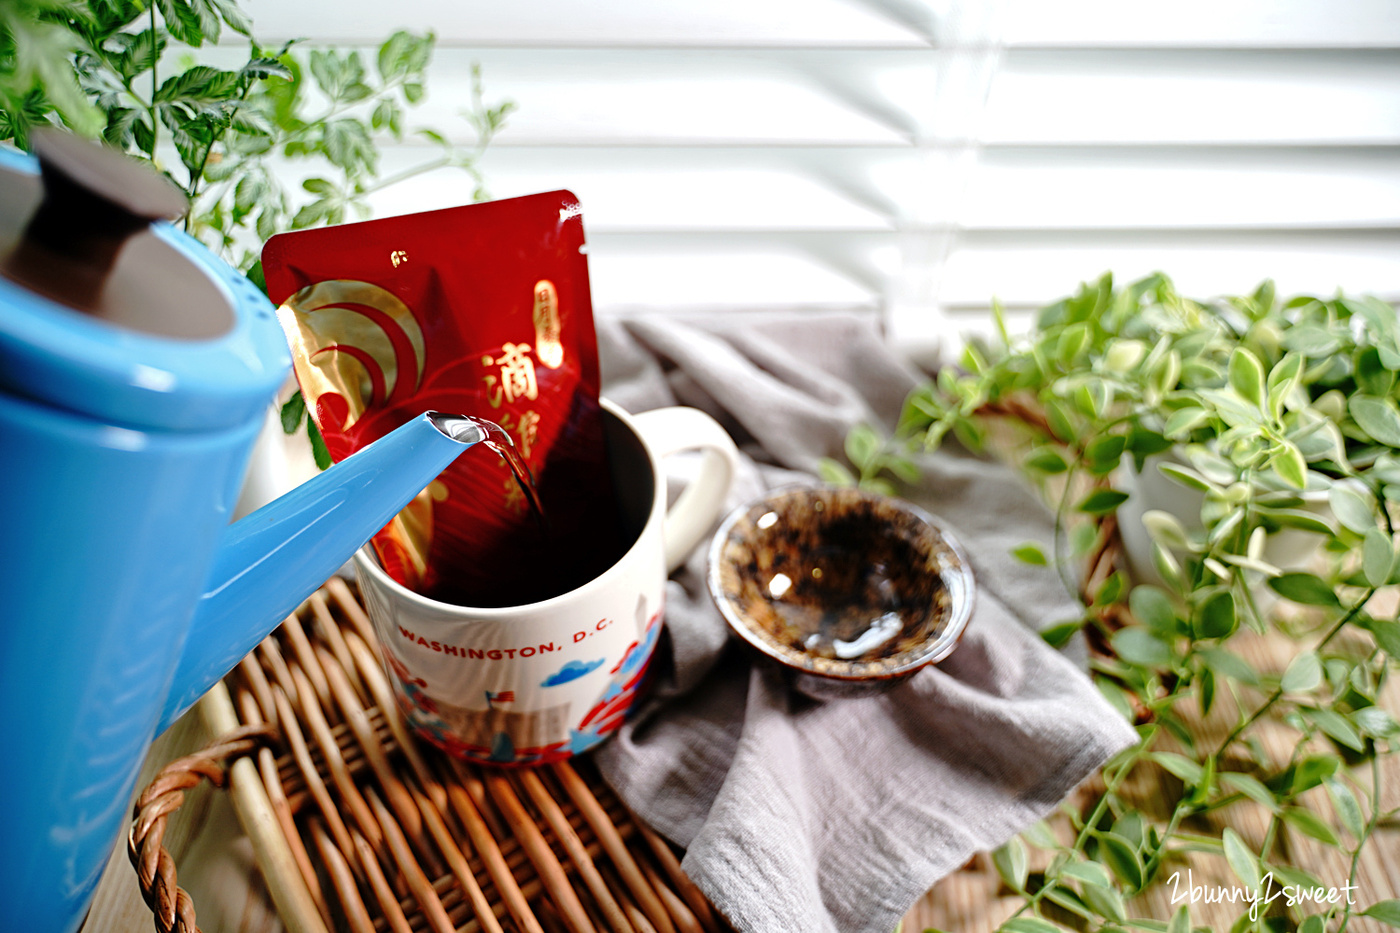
(669,431)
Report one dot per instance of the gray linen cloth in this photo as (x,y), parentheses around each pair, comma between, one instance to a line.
(837,816)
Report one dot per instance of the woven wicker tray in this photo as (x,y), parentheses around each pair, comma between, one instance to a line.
(356,826)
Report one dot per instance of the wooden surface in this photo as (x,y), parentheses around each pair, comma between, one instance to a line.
(216,865)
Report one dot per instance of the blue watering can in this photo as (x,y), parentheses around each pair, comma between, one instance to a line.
(135,373)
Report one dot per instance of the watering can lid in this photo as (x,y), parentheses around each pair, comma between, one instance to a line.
(167,337)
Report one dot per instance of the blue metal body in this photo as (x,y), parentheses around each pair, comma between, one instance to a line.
(124,591)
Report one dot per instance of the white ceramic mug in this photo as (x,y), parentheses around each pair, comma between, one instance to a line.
(539,682)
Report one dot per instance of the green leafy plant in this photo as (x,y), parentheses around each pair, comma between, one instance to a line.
(1263,408)
(138,74)
(127,69)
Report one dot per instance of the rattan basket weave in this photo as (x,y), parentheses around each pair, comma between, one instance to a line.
(358,827)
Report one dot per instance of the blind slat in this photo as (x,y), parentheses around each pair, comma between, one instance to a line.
(922,156)
(569,23)
(1202,24)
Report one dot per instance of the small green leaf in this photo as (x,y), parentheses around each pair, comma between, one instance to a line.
(1057,416)
(863,445)
(1283,378)
(1242,861)
(1387,912)
(1378,417)
(1337,727)
(382,114)
(1144,442)
(1372,376)
(1046,460)
(1030,553)
(1166,529)
(1123,354)
(1247,376)
(1183,421)
(1166,565)
(1181,920)
(1073,340)
(1311,771)
(1304,673)
(1117,697)
(1104,453)
(293,412)
(1313,924)
(1102,501)
(1137,645)
(1186,477)
(1376,722)
(1111,589)
(392,57)
(1288,874)
(1297,518)
(181,21)
(1387,635)
(1106,901)
(1093,397)
(1309,824)
(319,453)
(1058,634)
(1305,588)
(1087,872)
(1377,556)
(1012,864)
(1040,835)
(1230,665)
(1217,616)
(834,473)
(1251,787)
(1028,925)
(1311,340)
(1151,606)
(904,468)
(1352,509)
(1122,857)
(1290,465)
(1189,771)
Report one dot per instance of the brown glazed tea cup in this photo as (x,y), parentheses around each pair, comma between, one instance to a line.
(851,592)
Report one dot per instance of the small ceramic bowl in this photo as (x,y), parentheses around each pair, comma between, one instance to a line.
(850,591)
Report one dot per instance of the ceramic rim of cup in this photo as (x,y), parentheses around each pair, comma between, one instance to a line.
(367,561)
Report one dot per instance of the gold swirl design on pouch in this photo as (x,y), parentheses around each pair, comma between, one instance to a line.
(549,346)
(412,530)
(343,342)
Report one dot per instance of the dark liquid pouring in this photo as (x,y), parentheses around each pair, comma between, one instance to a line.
(496,439)
(523,479)
(552,560)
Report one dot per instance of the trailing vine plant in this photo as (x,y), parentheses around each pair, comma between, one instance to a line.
(1279,416)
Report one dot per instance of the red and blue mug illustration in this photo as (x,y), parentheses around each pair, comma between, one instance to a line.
(539,682)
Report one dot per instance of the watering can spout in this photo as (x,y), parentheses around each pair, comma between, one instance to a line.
(271,560)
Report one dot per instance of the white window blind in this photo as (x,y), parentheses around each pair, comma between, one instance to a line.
(914,159)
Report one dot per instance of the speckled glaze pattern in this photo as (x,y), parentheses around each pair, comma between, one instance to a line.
(807,559)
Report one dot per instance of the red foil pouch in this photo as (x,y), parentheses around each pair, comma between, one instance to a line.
(478,310)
